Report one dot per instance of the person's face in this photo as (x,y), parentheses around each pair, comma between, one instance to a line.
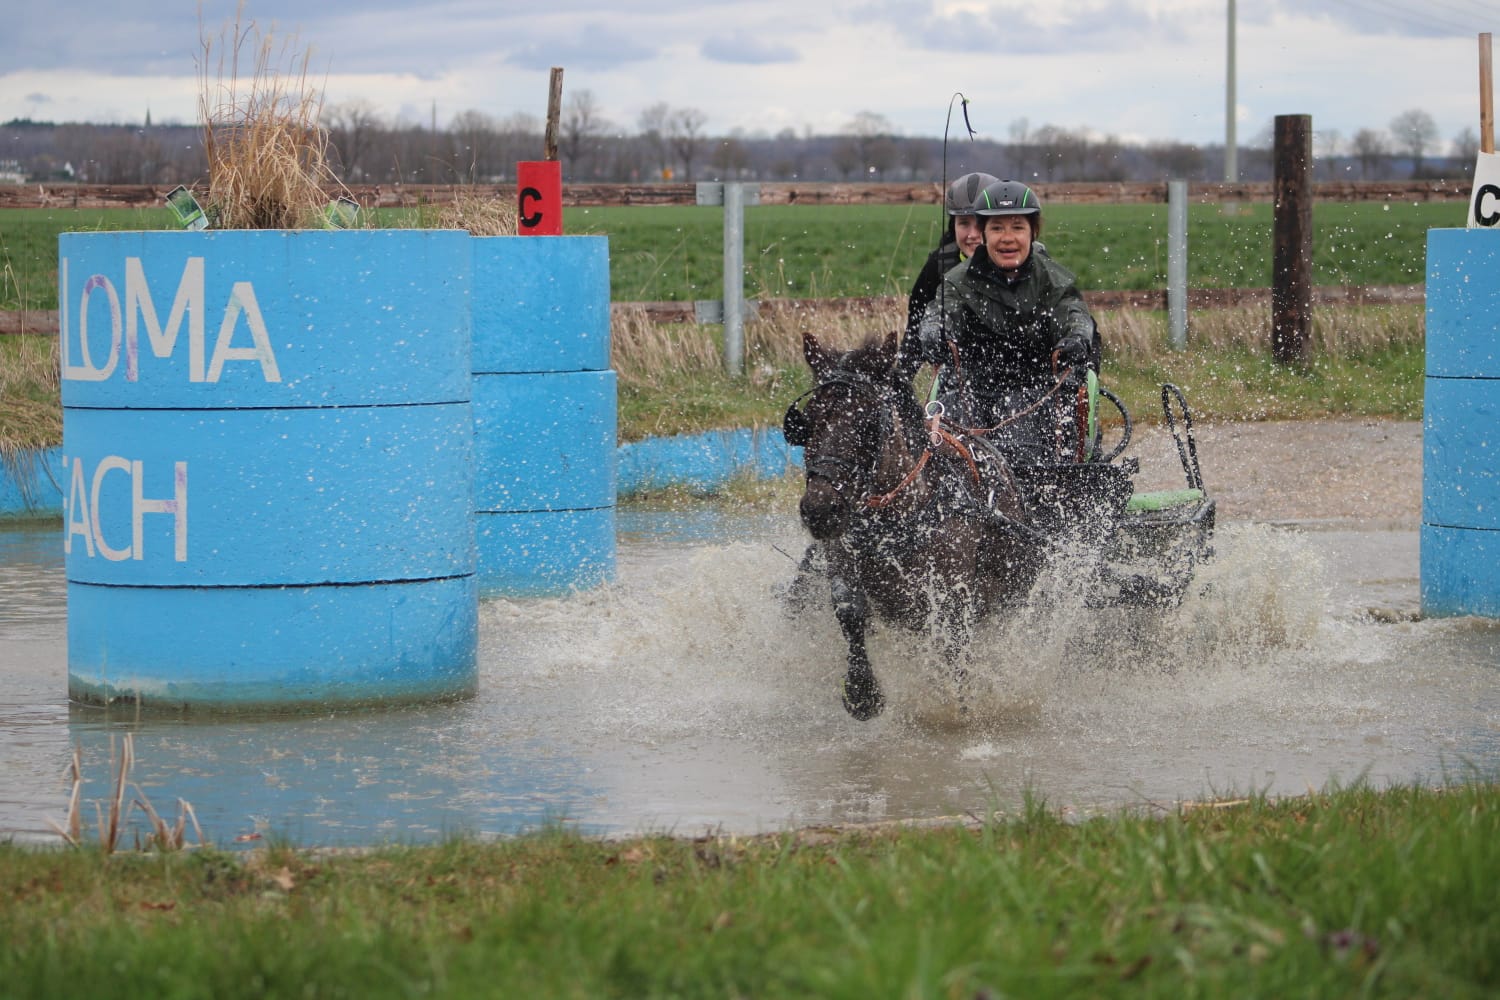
(1007,239)
(968,230)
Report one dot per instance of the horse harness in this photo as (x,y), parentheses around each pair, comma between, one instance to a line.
(797,431)
(795,428)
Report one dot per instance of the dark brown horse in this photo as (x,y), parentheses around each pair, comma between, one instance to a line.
(916,527)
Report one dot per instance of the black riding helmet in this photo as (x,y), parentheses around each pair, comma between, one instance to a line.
(1011,198)
(1007,198)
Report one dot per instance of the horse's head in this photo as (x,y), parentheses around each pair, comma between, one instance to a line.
(854,416)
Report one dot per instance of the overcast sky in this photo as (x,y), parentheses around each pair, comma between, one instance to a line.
(1135,69)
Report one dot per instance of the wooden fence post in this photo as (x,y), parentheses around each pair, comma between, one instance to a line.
(554,113)
(1291,273)
(1486,94)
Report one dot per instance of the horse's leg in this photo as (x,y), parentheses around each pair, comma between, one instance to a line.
(862,697)
(956,616)
(798,595)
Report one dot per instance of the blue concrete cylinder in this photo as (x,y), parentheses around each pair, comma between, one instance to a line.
(1460,542)
(544,415)
(267,468)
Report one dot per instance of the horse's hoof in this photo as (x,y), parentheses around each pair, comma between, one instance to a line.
(862,697)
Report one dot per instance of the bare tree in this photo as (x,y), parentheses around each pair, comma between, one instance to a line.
(685,133)
(792,155)
(1466,150)
(353,128)
(520,138)
(1176,160)
(1048,142)
(1414,132)
(582,127)
(845,157)
(1371,149)
(1021,149)
(730,157)
(475,146)
(916,157)
(653,126)
(1327,144)
(1258,155)
(874,144)
(1106,160)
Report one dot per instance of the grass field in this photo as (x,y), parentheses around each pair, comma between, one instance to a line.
(1351,892)
(670,253)
(1367,361)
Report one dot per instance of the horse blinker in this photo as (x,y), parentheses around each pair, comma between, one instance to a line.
(794,426)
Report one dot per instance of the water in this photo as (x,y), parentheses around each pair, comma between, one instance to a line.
(682,699)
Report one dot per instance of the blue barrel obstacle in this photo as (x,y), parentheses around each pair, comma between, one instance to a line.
(1460,541)
(544,415)
(268,465)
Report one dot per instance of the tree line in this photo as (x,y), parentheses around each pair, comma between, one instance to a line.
(674,143)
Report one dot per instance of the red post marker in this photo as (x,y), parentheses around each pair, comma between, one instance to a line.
(539,198)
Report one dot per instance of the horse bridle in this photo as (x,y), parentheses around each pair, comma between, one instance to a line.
(797,430)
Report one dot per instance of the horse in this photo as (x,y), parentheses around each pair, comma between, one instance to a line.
(917,526)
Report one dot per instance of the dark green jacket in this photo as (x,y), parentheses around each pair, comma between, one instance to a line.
(925,289)
(1006,327)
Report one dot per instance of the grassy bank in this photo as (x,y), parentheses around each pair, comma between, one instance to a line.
(30,410)
(1351,892)
(1367,361)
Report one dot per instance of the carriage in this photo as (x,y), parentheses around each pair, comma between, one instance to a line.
(1148,543)
(916,521)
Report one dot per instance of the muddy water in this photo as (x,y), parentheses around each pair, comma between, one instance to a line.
(682,699)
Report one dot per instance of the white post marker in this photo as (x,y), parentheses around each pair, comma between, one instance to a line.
(1484,202)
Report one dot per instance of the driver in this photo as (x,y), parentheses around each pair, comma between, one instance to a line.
(960,240)
(1006,312)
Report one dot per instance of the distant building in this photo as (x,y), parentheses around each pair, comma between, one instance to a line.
(11,172)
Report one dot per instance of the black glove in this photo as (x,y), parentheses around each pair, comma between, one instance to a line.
(1071,351)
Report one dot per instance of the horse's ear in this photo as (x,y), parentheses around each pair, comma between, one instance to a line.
(888,345)
(817,358)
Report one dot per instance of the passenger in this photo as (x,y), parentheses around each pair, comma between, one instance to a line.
(1006,313)
(960,240)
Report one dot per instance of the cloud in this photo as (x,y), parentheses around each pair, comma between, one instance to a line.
(590,48)
(749,52)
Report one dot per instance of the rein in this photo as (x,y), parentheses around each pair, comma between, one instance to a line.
(1034,405)
(1080,418)
(937,435)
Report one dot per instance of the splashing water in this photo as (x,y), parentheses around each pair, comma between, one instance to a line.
(684,697)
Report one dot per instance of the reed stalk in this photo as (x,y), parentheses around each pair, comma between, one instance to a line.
(267,152)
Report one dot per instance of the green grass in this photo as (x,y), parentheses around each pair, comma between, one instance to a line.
(827,251)
(1347,893)
(1365,361)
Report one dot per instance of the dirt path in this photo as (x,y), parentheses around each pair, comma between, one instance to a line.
(1348,470)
